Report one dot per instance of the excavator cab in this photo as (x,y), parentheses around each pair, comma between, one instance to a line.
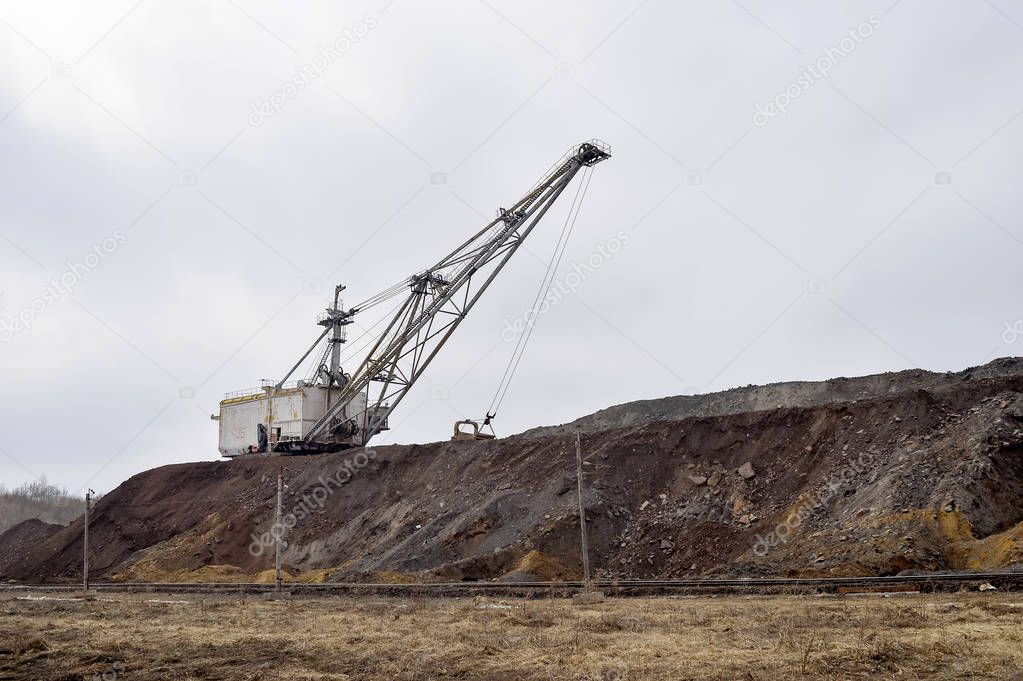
(470,432)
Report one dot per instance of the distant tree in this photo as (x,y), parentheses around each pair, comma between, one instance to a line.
(38,499)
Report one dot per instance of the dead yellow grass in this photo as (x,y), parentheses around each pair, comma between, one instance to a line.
(190,637)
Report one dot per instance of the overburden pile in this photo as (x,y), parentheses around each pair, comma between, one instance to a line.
(908,471)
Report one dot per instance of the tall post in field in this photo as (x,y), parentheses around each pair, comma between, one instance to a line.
(85,542)
(582,510)
(278,529)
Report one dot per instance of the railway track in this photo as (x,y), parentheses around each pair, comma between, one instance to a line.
(930,582)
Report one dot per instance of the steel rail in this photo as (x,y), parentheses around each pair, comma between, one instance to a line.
(746,583)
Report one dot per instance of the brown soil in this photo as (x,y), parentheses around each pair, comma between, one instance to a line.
(874,475)
(20,539)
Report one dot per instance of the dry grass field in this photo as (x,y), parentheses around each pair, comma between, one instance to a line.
(153,636)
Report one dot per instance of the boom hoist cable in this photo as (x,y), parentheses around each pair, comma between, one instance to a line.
(534,311)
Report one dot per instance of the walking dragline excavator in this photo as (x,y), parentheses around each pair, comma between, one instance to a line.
(332,410)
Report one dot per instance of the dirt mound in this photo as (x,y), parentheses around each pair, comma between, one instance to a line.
(16,542)
(778,396)
(876,475)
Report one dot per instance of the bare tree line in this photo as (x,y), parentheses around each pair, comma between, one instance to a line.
(38,499)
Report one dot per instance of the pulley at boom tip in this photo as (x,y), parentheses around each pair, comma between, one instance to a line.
(593,152)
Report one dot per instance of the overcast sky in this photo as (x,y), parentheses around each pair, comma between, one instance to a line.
(780,223)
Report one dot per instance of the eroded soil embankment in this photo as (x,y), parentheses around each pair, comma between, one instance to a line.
(907,471)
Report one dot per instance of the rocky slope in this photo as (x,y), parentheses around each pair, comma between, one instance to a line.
(872,475)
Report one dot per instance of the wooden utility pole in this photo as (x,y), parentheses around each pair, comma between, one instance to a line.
(582,510)
(85,542)
(278,529)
